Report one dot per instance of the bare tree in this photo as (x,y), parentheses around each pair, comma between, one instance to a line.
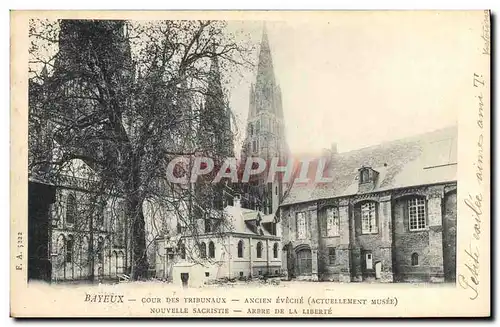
(126,98)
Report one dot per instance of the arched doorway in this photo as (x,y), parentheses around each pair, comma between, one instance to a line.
(303,261)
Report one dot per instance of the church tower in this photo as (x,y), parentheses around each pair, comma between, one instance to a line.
(215,141)
(265,134)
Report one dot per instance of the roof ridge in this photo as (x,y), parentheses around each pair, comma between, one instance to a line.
(403,139)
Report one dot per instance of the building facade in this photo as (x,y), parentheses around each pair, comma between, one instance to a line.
(388,214)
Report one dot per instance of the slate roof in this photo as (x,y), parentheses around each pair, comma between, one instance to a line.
(424,159)
(243,221)
(268,218)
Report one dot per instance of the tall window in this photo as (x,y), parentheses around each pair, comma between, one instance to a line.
(414,259)
(259,250)
(70,209)
(301,225)
(69,249)
(332,222)
(208,226)
(84,251)
(100,215)
(332,256)
(240,249)
(211,249)
(416,214)
(369,218)
(119,239)
(203,250)
(275,250)
(100,250)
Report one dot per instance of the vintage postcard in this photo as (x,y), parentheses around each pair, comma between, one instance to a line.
(250,164)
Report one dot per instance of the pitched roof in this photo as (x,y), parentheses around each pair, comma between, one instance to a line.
(244,221)
(424,159)
(269,218)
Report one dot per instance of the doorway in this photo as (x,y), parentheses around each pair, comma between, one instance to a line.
(304,262)
(184,279)
(369,261)
(378,269)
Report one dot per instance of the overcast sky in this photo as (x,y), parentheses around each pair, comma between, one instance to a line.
(362,78)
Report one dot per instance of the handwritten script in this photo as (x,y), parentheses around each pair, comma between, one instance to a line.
(469,280)
(486,32)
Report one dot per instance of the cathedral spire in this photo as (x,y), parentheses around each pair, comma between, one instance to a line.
(215,124)
(265,70)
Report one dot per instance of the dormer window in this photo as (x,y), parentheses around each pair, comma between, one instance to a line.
(367,175)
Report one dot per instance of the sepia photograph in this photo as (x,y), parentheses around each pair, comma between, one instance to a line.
(255,165)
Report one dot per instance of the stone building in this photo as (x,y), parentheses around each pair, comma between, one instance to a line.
(388,214)
(244,247)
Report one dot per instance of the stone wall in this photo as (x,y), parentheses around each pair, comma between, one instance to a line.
(406,243)
(450,236)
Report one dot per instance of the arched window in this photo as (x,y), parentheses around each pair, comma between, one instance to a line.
(182,250)
(61,245)
(100,214)
(70,209)
(208,226)
(115,262)
(211,249)
(259,250)
(84,251)
(69,249)
(240,249)
(203,250)
(100,250)
(119,237)
(275,250)
(414,259)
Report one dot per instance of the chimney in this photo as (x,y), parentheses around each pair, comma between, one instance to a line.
(333,148)
(237,201)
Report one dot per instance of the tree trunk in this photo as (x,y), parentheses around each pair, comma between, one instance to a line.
(139,255)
